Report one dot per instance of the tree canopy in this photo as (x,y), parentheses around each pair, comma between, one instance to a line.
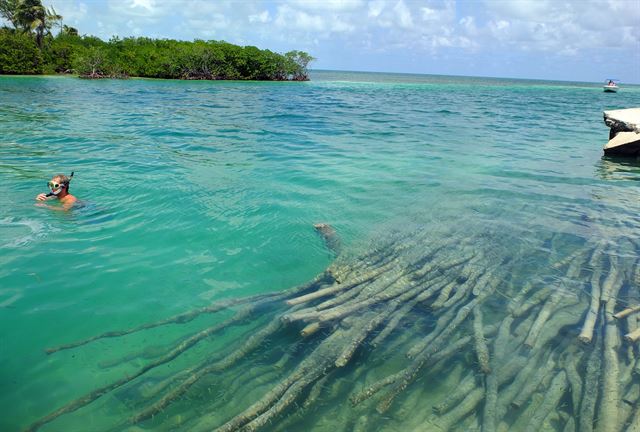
(30,48)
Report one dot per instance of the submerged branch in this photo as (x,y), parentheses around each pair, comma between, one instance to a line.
(429,298)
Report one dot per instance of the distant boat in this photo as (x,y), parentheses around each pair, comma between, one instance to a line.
(610,86)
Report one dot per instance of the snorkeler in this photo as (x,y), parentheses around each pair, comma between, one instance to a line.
(59,186)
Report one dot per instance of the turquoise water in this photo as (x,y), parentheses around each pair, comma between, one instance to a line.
(196,191)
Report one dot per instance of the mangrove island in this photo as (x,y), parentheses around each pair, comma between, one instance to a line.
(30,48)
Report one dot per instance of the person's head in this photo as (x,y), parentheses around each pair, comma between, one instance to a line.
(59,184)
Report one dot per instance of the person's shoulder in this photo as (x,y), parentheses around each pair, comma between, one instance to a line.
(68,202)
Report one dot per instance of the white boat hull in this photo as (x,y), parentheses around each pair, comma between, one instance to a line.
(610,88)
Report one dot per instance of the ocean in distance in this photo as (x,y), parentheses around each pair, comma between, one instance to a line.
(467,209)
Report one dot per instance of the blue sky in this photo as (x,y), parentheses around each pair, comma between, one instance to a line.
(564,40)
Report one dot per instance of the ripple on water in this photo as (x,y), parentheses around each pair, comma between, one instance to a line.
(16,232)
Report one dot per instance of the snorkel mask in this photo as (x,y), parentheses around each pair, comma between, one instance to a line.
(56,187)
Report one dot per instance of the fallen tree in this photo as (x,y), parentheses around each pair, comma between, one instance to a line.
(434,298)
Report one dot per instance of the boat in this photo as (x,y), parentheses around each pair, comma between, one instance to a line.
(611,86)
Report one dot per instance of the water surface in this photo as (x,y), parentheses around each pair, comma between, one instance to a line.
(197,191)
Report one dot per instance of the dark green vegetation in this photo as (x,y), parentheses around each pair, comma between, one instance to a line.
(31,48)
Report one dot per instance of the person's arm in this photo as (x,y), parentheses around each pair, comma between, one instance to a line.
(50,207)
(65,206)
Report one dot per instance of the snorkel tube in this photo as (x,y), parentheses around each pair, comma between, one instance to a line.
(54,194)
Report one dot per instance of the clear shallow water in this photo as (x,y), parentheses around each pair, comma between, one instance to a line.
(195,191)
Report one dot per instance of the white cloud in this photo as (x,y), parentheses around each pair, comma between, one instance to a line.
(439,12)
(149,5)
(135,30)
(499,26)
(293,19)
(340,26)
(327,5)
(311,23)
(468,24)
(375,8)
(404,14)
(564,27)
(210,26)
(262,17)
(527,10)
(429,14)
(144,9)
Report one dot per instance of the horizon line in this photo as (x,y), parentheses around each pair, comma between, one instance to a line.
(468,76)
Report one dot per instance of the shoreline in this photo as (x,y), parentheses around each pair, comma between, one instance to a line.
(138,78)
